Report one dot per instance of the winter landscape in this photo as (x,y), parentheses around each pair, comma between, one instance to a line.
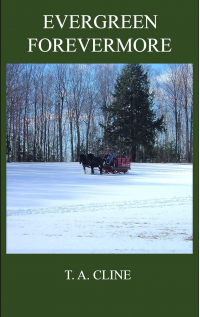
(56,208)
(55,113)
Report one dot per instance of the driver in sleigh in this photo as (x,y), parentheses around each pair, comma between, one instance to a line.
(109,159)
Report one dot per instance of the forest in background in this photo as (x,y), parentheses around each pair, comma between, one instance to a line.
(54,112)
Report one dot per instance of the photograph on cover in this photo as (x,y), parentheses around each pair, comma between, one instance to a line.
(99,158)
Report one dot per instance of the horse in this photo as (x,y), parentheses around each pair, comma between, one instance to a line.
(95,161)
(84,161)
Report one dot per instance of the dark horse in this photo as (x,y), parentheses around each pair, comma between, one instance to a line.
(84,161)
(105,158)
(95,161)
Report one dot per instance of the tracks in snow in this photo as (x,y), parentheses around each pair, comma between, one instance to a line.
(95,207)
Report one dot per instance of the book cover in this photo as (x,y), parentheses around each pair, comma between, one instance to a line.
(124,241)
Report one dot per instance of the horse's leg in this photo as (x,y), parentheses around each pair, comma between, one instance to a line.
(84,169)
(100,168)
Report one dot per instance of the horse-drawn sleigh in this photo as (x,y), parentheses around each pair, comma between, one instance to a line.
(119,165)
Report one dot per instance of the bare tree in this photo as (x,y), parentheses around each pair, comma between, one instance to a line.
(186,82)
(78,99)
(61,93)
(106,76)
(171,84)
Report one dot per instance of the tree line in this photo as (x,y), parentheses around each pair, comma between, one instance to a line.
(54,112)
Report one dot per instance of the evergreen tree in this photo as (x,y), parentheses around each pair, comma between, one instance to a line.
(132,122)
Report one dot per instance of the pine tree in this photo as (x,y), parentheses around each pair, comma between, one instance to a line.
(132,121)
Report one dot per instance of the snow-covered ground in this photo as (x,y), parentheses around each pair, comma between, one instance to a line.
(56,208)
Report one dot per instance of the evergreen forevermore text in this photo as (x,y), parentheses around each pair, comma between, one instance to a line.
(97,44)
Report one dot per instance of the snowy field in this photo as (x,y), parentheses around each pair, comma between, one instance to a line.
(56,208)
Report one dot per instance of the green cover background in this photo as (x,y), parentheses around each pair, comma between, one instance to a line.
(161,285)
